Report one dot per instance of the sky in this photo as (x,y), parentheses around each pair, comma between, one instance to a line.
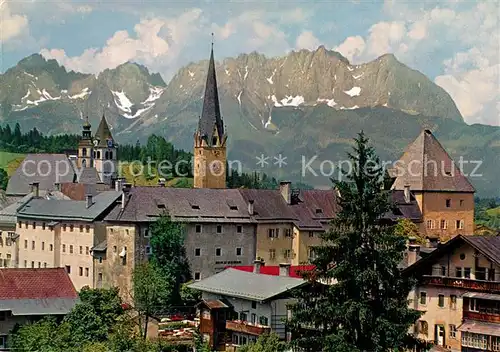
(456,43)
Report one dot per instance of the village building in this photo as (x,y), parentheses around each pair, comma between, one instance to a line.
(30,294)
(458,291)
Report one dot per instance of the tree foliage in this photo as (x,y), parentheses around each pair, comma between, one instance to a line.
(367,308)
(406,228)
(265,343)
(4,179)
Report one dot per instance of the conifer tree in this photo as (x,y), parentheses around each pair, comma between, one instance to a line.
(365,306)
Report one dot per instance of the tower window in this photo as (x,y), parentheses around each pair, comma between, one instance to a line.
(111,155)
(98,154)
(214,141)
(84,152)
(106,155)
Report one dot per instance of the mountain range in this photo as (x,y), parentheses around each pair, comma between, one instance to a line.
(306,104)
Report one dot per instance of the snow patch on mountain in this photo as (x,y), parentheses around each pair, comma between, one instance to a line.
(246,72)
(288,100)
(191,73)
(330,102)
(122,101)
(154,94)
(353,92)
(239,97)
(270,79)
(81,95)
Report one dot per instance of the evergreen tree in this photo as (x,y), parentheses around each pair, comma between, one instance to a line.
(366,307)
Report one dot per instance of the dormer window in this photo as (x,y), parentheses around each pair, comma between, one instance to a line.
(319,211)
(195,206)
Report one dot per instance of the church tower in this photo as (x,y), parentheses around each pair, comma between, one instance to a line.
(104,153)
(210,138)
(85,151)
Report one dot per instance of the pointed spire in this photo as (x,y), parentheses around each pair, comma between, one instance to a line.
(103,132)
(211,117)
(87,122)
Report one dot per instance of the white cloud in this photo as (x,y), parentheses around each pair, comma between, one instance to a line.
(307,40)
(12,25)
(385,37)
(156,43)
(352,48)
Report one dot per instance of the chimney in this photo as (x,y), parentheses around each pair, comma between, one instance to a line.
(407,193)
(286,192)
(413,251)
(57,186)
(88,198)
(285,269)
(257,264)
(125,191)
(35,189)
(118,184)
(250,207)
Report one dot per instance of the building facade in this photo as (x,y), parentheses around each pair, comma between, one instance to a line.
(444,195)
(459,292)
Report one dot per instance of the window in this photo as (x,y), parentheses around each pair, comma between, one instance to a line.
(197,276)
(238,251)
(198,229)
(148,250)
(254,318)
(86,250)
(100,259)
(80,271)
(243,316)
(239,229)
(32,264)
(34,225)
(68,269)
(458,271)
(87,228)
(288,233)
(495,343)
(26,225)
(44,264)
(453,331)
(43,246)
(443,270)
(423,298)
(272,233)
(99,277)
(219,228)
(448,203)
(430,224)
(64,248)
(444,224)
(218,252)
(264,321)
(33,245)
(476,341)
(481,273)
(461,202)
(197,252)
(441,301)
(114,249)
(51,247)
(146,233)
(64,227)
(43,226)
(71,248)
(39,264)
(423,327)
(81,250)
(25,264)
(467,273)
(460,224)
(311,253)
(3,340)
(81,228)
(286,253)
(272,254)
(453,302)
(473,305)
(3,316)
(26,244)
(71,227)
(254,305)
(311,234)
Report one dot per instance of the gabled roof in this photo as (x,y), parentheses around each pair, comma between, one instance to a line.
(35,284)
(426,166)
(36,291)
(211,118)
(241,284)
(488,246)
(46,169)
(88,175)
(103,133)
(38,208)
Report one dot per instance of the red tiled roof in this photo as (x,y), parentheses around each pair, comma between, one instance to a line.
(275,269)
(35,283)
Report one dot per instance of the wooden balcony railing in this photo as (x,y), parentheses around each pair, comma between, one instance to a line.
(469,284)
(246,327)
(486,317)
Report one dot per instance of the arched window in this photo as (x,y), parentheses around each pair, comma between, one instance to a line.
(84,152)
(111,155)
(98,155)
(106,155)
(214,141)
(84,163)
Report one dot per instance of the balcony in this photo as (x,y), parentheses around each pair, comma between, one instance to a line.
(246,327)
(485,317)
(469,284)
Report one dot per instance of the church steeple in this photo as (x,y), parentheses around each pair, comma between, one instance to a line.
(210,138)
(211,119)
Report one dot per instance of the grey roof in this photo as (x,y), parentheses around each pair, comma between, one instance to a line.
(100,247)
(6,200)
(46,169)
(144,204)
(8,215)
(211,117)
(68,209)
(246,285)
(434,162)
(88,175)
(40,306)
